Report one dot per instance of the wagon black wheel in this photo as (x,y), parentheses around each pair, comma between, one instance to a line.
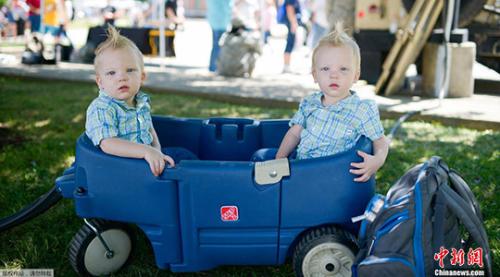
(325,251)
(88,255)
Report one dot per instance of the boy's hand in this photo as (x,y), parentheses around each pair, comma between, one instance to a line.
(367,167)
(156,160)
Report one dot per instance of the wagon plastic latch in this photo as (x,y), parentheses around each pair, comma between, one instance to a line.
(271,172)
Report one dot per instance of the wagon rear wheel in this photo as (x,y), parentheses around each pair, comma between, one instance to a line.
(326,251)
(88,255)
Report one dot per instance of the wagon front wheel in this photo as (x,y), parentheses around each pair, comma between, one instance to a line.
(88,254)
(326,251)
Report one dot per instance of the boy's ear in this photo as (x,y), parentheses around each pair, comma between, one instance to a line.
(314,75)
(356,77)
(98,80)
(143,76)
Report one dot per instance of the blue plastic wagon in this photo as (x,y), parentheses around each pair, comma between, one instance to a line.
(222,209)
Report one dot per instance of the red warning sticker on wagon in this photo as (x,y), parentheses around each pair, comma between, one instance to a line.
(229,213)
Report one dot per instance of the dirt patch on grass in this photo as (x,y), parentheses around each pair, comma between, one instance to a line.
(10,137)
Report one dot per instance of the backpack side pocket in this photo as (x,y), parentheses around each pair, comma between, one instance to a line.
(386,266)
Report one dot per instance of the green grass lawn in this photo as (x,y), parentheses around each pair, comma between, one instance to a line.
(40,121)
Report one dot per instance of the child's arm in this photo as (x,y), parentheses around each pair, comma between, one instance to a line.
(123,148)
(371,163)
(289,142)
(156,144)
(156,141)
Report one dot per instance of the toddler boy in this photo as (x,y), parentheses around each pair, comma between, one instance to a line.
(119,119)
(332,120)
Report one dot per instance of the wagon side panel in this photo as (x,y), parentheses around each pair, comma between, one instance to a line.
(226,218)
(319,192)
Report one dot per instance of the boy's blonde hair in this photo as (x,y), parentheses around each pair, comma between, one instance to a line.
(338,38)
(117,41)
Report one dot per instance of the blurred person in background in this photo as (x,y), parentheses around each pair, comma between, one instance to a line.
(180,14)
(319,21)
(174,20)
(19,10)
(54,17)
(10,28)
(57,46)
(34,15)
(292,20)
(173,15)
(268,18)
(109,14)
(219,17)
(4,22)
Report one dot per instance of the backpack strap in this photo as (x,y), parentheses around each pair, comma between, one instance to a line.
(439,221)
(461,202)
(461,187)
(438,168)
(467,216)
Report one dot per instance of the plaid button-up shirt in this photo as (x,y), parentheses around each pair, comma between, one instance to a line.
(108,117)
(336,128)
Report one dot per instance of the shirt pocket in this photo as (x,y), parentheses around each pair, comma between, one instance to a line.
(342,134)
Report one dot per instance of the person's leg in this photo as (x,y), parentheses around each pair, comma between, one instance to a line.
(14,28)
(170,51)
(290,42)
(35,22)
(216,35)
(286,61)
(21,24)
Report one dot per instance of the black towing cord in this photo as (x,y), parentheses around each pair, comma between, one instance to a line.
(36,208)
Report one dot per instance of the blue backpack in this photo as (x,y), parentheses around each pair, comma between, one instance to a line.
(420,227)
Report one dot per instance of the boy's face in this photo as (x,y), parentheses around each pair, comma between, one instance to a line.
(335,71)
(119,74)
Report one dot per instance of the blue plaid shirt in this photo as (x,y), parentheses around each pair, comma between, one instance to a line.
(336,128)
(108,117)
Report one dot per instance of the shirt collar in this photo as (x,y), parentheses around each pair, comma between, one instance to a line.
(141,99)
(337,106)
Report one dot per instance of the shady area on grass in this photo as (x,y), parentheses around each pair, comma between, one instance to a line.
(40,121)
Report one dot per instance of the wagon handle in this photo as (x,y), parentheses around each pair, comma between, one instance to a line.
(39,206)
